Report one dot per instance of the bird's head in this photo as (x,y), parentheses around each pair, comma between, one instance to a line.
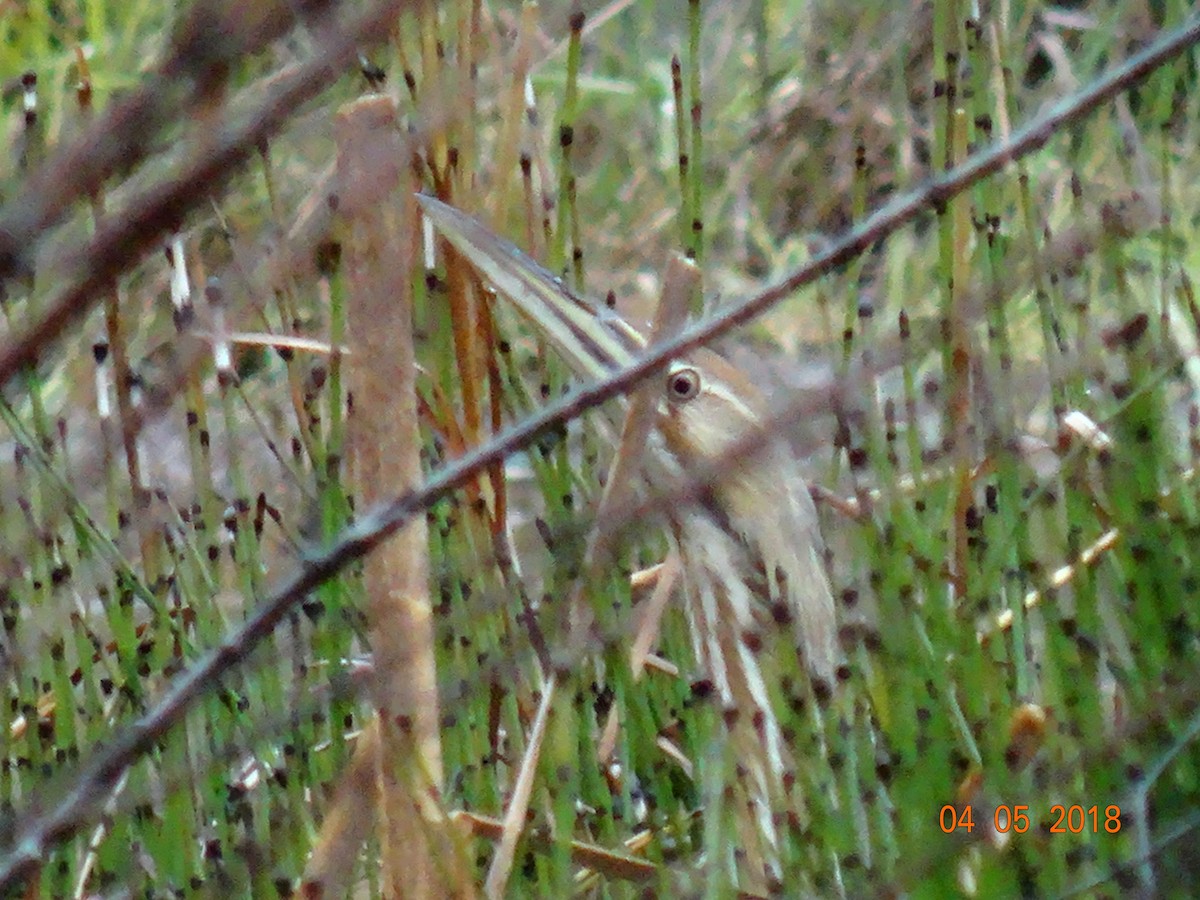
(708,407)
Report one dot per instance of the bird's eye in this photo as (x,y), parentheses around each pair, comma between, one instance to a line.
(683,385)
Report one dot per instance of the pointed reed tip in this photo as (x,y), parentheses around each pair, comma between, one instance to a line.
(442,214)
(435,208)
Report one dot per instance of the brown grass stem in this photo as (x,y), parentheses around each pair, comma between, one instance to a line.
(680,282)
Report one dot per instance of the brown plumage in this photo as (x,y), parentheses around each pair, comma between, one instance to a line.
(750,547)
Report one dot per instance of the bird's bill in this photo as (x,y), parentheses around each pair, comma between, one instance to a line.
(593,340)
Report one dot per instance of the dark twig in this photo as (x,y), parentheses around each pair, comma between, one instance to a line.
(36,832)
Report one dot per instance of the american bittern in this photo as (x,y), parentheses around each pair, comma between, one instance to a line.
(750,548)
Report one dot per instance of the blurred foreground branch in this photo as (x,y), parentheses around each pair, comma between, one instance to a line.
(130,232)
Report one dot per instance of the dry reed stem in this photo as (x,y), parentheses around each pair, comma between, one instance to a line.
(596,858)
(376,200)
(518,804)
(1062,576)
(646,634)
(644,637)
(347,822)
(681,281)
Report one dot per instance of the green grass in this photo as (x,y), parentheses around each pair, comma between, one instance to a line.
(973,342)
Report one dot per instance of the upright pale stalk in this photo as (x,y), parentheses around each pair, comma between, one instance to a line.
(419,855)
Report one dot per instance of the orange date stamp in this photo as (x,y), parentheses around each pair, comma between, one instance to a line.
(1073,819)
